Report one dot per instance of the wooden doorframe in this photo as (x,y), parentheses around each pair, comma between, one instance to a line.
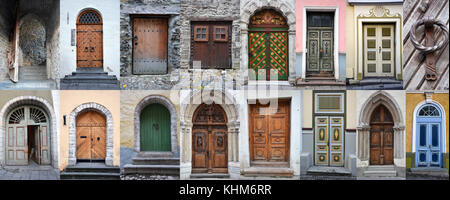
(149,16)
(330,9)
(288,136)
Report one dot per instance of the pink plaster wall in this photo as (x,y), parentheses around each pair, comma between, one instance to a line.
(300,4)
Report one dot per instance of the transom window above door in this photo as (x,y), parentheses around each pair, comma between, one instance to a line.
(211,44)
(429,111)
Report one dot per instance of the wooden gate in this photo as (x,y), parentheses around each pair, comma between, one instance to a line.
(381,137)
(155,128)
(379,50)
(211,44)
(91,136)
(320,44)
(150,45)
(89,40)
(210,140)
(269,133)
(268,46)
(22,122)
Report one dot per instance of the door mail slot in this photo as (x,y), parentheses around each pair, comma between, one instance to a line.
(83,136)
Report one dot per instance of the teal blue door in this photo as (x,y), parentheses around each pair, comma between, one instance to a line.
(428,137)
(155,128)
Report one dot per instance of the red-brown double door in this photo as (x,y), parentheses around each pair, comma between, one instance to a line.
(381,137)
(269,133)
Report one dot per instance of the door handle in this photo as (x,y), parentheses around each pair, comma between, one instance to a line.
(379,49)
(92,49)
(86,49)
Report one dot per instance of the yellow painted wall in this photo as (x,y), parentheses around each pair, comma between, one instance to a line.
(351,110)
(307,110)
(6,96)
(71,99)
(412,99)
(129,100)
(350,41)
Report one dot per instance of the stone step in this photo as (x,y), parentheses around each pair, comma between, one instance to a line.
(209,176)
(328,171)
(430,171)
(379,81)
(103,169)
(89,176)
(381,168)
(320,83)
(380,173)
(268,172)
(156,161)
(32,73)
(169,170)
(28,84)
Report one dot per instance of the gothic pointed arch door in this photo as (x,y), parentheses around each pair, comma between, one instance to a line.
(268,46)
(155,128)
(89,40)
(381,137)
(428,136)
(27,136)
(210,140)
(91,136)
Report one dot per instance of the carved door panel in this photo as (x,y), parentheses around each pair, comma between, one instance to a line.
(329,141)
(150,46)
(89,40)
(381,137)
(211,44)
(320,44)
(269,137)
(44,145)
(379,51)
(209,140)
(91,136)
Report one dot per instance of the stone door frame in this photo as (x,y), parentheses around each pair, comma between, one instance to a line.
(254,6)
(73,132)
(330,9)
(42,104)
(156,99)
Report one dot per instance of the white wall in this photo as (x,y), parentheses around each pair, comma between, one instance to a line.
(110,12)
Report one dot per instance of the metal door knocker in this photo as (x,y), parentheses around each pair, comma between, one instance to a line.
(430,42)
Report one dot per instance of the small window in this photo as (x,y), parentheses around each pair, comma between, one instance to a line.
(221,33)
(201,33)
(429,111)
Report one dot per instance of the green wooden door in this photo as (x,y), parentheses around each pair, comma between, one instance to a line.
(155,128)
(268,54)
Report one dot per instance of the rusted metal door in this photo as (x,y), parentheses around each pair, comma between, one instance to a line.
(150,46)
(381,137)
(91,136)
(211,44)
(269,133)
(209,140)
(89,40)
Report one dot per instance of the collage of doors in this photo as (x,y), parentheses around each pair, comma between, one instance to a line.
(224,89)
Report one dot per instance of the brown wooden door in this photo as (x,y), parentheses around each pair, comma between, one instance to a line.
(89,40)
(209,140)
(211,44)
(150,46)
(381,137)
(269,133)
(91,136)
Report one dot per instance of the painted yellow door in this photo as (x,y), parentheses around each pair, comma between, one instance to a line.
(379,51)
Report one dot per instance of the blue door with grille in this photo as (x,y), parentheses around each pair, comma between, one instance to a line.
(428,137)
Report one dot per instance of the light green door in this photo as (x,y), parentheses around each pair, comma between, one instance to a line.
(155,128)
(379,50)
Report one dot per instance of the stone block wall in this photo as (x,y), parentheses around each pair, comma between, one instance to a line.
(6,25)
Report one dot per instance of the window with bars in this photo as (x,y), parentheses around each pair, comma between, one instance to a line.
(89,17)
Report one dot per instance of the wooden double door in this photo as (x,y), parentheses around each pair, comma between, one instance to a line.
(91,136)
(381,137)
(429,137)
(89,40)
(379,51)
(27,137)
(270,133)
(320,44)
(155,128)
(329,141)
(210,140)
(150,45)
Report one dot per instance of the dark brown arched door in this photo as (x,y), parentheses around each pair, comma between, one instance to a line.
(89,40)
(209,140)
(91,136)
(381,137)
(268,46)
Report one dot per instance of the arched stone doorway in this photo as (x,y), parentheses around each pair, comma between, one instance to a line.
(209,140)
(89,39)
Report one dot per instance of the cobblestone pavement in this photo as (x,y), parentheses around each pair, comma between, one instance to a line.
(30,172)
(147,177)
(326,178)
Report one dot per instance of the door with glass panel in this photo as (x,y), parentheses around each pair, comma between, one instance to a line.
(379,51)
(428,137)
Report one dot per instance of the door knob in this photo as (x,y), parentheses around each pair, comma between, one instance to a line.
(86,49)
(98,138)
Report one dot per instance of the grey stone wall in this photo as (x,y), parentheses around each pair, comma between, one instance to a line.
(32,41)
(209,10)
(5,27)
(167,8)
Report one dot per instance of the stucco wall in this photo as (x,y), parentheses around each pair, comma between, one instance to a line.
(110,12)
(71,100)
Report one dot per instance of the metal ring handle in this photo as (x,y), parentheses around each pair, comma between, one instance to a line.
(428,21)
